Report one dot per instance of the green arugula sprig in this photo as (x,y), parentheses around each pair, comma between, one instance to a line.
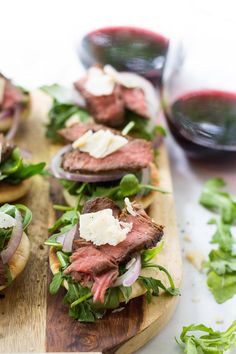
(14,170)
(214,199)
(214,342)
(128,186)
(62,109)
(221,264)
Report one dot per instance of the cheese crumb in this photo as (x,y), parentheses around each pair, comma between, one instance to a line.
(6,221)
(129,207)
(196,258)
(99,144)
(187,238)
(101,228)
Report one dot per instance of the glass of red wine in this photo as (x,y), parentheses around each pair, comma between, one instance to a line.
(127,49)
(200,98)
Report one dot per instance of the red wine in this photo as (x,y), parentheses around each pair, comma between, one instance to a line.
(126,48)
(204,122)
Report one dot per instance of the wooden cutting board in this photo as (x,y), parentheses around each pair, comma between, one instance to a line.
(31,320)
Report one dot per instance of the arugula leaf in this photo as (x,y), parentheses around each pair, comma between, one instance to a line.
(222,236)
(221,262)
(126,292)
(68,218)
(210,341)
(27,215)
(55,283)
(59,114)
(223,287)
(216,200)
(151,253)
(14,170)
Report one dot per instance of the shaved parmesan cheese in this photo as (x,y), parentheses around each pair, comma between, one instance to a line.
(2,89)
(129,207)
(132,80)
(98,83)
(6,221)
(102,228)
(99,144)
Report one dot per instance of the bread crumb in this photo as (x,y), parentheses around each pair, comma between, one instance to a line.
(196,258)
(219,319)
(187,238)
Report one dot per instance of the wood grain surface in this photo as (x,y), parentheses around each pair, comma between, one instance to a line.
(31,320)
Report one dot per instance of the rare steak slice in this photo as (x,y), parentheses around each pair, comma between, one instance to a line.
(97,204)
(135,155)
(78,129)
(106,109)
(100,264)
(134,100)
(12,95)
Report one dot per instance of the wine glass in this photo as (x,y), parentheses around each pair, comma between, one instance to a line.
(200,96)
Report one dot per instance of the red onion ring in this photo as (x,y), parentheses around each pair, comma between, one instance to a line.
(68,240)
(58,172)
(15,239)
(157,141)
(5,114)
(16,120)
(132,274)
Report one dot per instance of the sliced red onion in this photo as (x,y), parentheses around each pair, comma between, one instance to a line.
(15,123)
(68,240)
(132,274)
(58,172)
(15,239)
(61,238)
(5,114)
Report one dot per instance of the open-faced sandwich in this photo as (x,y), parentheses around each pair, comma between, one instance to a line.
(100,161)
(114,99)
(14,172)
(14,243)
(104,257)
(14,106)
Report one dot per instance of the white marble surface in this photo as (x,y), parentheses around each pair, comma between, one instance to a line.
(37,42)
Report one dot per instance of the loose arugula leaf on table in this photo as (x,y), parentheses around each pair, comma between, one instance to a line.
(223,235)
(223,287)
(214,342)
(221,264)
(214,199)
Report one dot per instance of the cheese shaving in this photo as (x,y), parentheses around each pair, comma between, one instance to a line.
(99,83)
(102,228)
(6,221)
(129,207)
(99,144)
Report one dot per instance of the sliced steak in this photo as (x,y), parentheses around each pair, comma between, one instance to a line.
(135,155)
(106,109)
(134,99)
(97,204)
(6,149)
(3,278)
(101,263)
(78,129)
(12,95)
